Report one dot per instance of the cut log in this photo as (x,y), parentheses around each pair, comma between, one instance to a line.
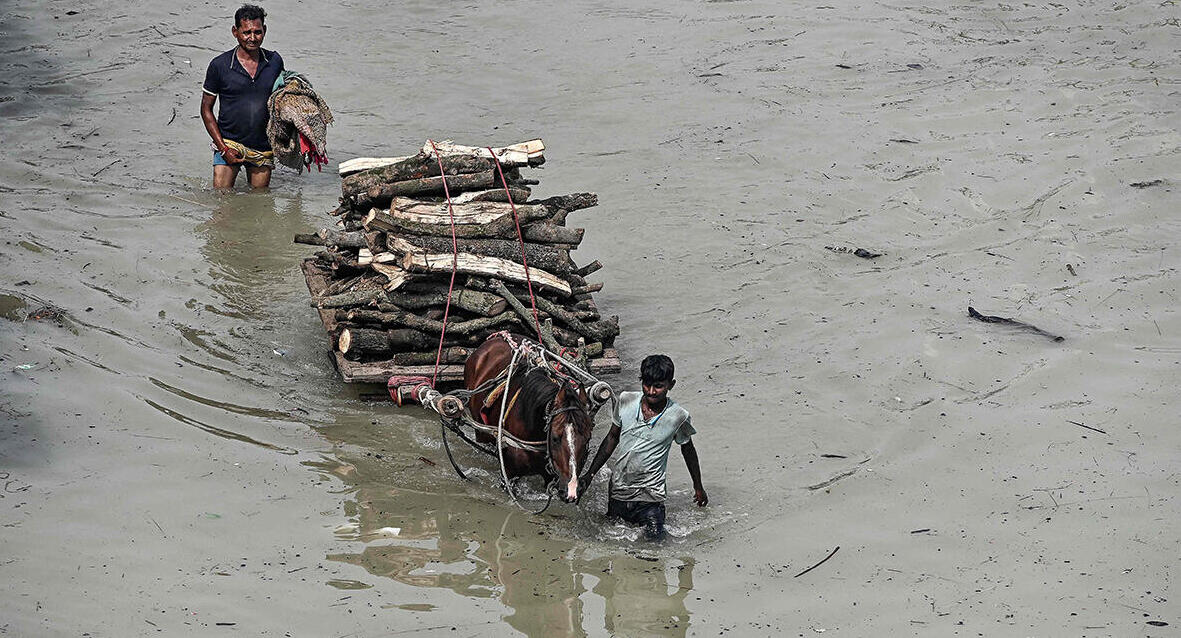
(473,301)
(592,267)
(355,239)
(555,260)
(470,264)
(391,315)
(587,289)
(410,168)
(553,234)
(361,340)
(351,299)
(451,354)
(308,239)
(355,342)
(381,194)
(568,203)
(519,194)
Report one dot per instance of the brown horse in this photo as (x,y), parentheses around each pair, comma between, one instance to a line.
(544,406)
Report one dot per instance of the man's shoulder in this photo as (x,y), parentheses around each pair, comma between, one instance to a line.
(223,59)
(678,412)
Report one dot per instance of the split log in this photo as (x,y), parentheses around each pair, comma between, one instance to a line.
(341,285)
(410,168)
(375,241)
(553,234)
(472,220)
(395,275)
(555,260)
(467,263)
(382,194)
(531,153)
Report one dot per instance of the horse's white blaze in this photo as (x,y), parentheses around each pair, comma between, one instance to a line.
(572,487)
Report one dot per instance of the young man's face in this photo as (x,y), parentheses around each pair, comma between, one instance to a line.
(656,391)
(250,34)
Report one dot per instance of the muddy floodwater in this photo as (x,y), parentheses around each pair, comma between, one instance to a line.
(179,457)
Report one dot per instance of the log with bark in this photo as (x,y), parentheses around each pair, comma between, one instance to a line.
(553,234)
(382,194)
(358,343)
(410,168)
(545,257)
(391,315)
(362,340)
(518,194)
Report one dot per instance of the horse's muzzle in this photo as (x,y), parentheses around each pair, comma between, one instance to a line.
(570,493)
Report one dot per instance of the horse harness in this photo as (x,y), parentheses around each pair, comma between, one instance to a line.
(536,356)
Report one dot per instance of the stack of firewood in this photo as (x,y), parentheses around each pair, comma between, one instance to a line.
(390,257)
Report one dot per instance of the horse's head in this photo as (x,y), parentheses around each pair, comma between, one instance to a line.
(569,425)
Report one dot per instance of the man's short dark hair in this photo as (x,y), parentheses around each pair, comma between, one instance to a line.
(249,12)
(656,367)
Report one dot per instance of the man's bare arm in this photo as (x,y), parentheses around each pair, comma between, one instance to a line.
(211,127)
(606,448)
(690,454)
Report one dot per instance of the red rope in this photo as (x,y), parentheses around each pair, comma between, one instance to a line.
(521,240)
(454,261)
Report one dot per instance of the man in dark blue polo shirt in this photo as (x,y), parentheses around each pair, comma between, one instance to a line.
(242,79)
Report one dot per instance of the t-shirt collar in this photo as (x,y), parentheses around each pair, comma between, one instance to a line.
(262,54)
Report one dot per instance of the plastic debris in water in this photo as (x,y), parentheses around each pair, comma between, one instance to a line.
(26,366)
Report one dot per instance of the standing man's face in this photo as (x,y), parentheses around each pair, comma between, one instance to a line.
(250,34)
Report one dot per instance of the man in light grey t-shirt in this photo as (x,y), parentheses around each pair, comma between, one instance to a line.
(651,423)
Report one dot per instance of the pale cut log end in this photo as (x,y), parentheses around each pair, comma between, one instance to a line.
(345,341)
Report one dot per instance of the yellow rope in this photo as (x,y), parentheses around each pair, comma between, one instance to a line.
(251,156)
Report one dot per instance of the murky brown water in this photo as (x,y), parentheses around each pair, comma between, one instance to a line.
(177,454)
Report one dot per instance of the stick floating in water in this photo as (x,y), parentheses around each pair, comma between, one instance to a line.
(1012,322)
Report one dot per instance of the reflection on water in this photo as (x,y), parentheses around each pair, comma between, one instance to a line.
(554,583)
(249,251)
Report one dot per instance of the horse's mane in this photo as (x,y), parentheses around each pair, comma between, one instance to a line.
(537,392)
